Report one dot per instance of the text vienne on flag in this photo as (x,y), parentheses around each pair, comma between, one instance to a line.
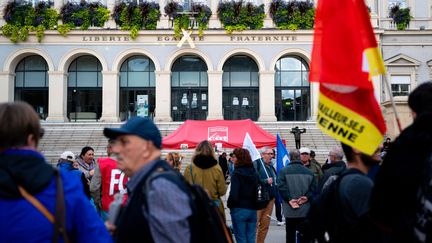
(345,57)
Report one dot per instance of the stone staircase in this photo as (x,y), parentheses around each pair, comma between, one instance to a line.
(60,137)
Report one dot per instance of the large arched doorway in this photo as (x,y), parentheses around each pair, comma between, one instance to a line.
(84,89)
(189,89)
(137,87)
(292,92)
(31,83)
(240,88)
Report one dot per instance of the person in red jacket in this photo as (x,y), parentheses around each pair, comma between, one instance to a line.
(107,181)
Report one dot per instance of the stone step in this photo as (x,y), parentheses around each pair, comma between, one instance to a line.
(72,136)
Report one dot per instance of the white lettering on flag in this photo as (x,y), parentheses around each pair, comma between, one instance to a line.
(117,177)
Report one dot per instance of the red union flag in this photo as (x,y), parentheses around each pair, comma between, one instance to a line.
(345,56)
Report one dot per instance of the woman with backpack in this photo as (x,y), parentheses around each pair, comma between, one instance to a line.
(241,200)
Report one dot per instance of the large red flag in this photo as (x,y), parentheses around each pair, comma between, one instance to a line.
(345,56)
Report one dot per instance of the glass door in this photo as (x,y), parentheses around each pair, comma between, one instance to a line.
(239,104)
(189,104)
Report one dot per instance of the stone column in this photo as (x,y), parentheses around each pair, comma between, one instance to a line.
(110,24)
(268,22)
(110,96)
(2,6)
(214,95)
(163,96)
(214,22)
(266,96)
(7,86)
(163,23)
(58,4)
(57,96)
(314,92)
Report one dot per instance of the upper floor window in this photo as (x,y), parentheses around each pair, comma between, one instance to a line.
(240,71)
(400,85)
(401,3)
(90,1)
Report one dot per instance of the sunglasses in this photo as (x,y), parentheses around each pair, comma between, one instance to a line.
(304,154)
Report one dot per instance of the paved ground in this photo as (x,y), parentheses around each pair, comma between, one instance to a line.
(276,233)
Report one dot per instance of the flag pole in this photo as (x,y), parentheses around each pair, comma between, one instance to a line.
(387,84)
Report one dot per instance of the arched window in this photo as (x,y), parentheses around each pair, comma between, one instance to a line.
(137,87)
(189,89)
(31,83)
(85,89)
(240,88)
(292,92)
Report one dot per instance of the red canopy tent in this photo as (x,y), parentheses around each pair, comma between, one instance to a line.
(230,133)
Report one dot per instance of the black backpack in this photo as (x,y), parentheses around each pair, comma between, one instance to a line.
(325,214)
(206,223)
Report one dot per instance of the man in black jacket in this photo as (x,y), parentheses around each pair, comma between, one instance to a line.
(395,203)
(335,166)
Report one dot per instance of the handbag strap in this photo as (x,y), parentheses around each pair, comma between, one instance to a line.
(36,204)
(59,219)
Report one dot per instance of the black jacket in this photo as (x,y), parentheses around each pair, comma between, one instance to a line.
(393,201)
(244,182)
(335,168)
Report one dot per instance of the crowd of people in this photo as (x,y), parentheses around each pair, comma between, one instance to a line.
(383,197)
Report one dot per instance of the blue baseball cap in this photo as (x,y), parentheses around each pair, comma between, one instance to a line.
(139,126)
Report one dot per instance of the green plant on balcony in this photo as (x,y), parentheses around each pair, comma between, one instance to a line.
(185,20)
(181,21)
(400,16)
(21,18)
(238,16)
(292,15)
(133,17)
(201,14)
(82,15)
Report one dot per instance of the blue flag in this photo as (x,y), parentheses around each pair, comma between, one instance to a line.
(282,158)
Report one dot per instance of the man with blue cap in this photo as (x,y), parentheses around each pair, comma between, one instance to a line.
(157,210)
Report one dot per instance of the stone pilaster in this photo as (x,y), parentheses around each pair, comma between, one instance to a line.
(58,4)
(163,96)
(266,96)
(214,22)
(164,22)
(268,22)
(110,24)
(110,96)
(314,91)
(57,96)
(7,86)
(2,6)
(214,95)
